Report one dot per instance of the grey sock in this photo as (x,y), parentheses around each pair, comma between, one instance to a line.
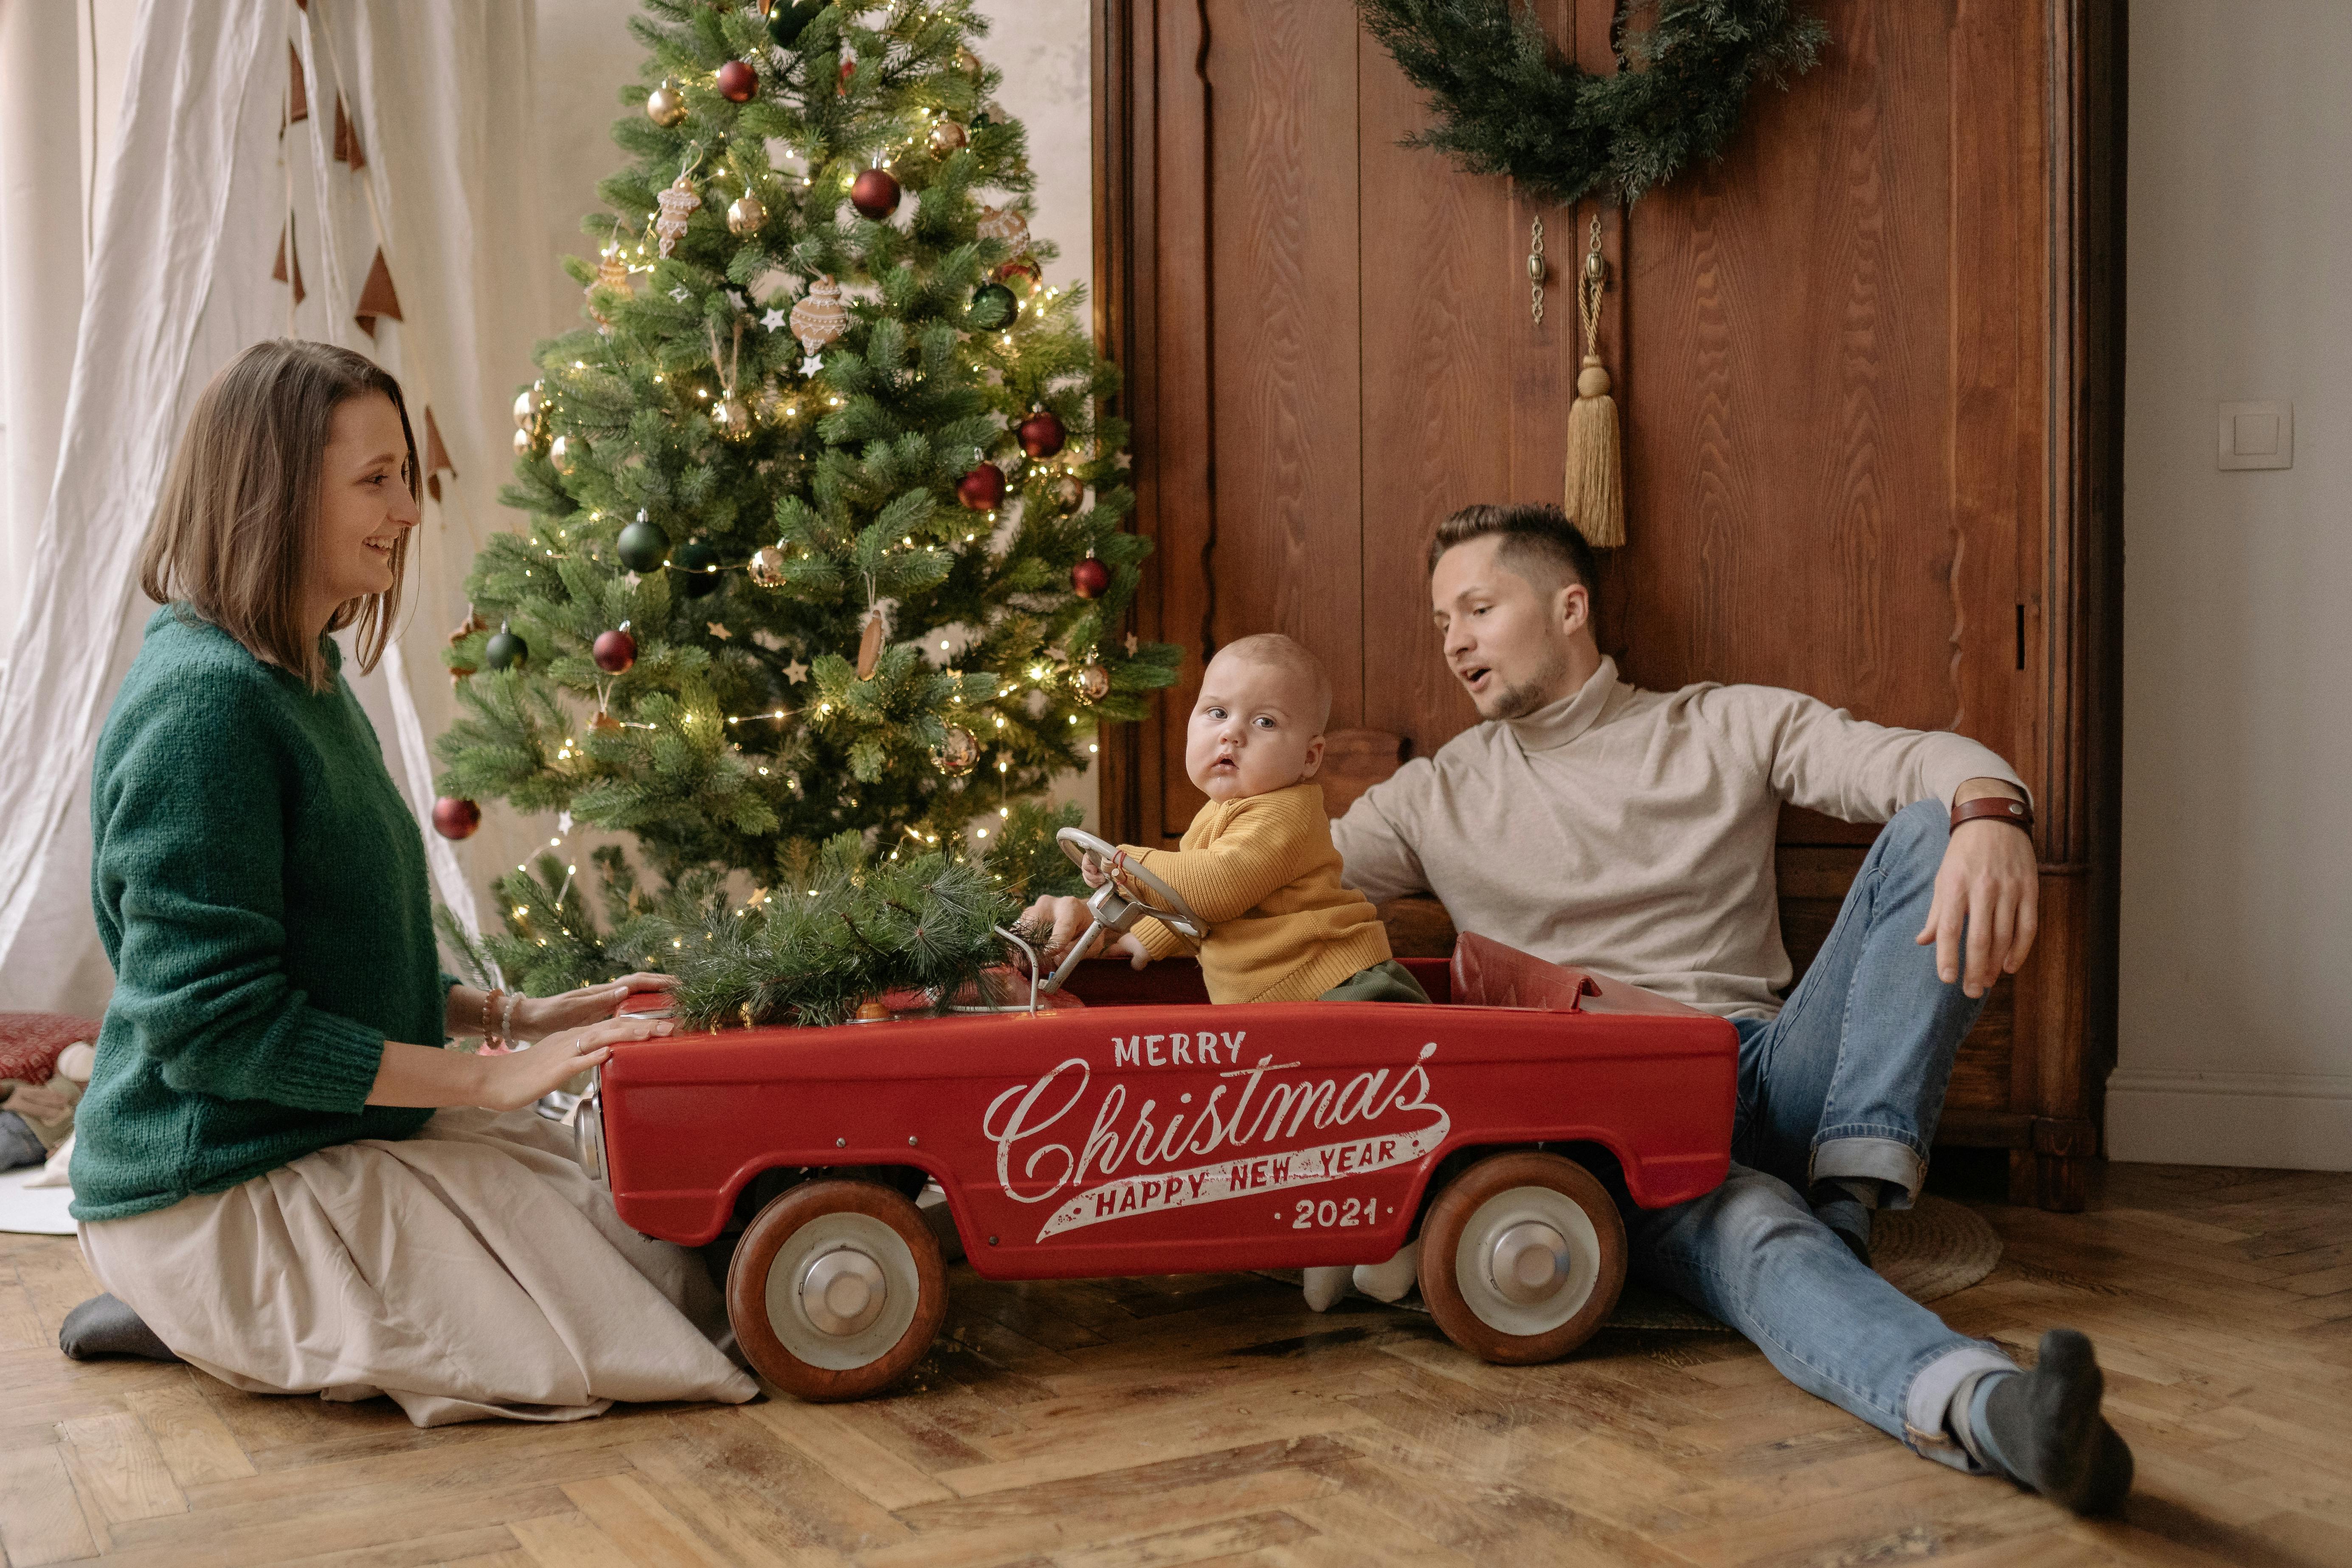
(1864,1190)
(104,1326)
(18,1144)
(1846,1204)
(2043,1428)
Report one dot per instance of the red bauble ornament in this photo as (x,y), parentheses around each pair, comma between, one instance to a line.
(983,489)
(615,651)
(453,816)
(1042,434)
(738,81)
(875,194)
(1089,579)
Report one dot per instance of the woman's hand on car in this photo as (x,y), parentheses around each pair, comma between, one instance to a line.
(536,1017)
(519,1079)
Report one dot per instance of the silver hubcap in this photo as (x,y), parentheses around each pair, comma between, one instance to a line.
(843,1292)
(1530,1262)
(1527,1261)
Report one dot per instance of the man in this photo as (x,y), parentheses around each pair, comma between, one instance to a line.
(1631,832)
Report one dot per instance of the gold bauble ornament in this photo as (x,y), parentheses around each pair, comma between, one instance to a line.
(558,452)
(745,214)
(665,106)
(731,417)
(947,136)
(1094,683)
(958,753)
(527,402)
(767,568)
(968,62)
(523,443)
(820,316)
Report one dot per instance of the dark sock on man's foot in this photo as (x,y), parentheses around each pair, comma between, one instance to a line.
(2043,1428)
(103,1326)
(18,1145)
(1848,1217)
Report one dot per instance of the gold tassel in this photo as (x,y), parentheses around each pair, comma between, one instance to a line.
(1595,499)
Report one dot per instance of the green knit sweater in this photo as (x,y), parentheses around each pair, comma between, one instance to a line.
(260,888)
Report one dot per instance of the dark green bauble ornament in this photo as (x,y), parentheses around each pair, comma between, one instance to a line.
(993,304)
(695,566)
(505,650)
(643,546)
(791,18)
(984,120)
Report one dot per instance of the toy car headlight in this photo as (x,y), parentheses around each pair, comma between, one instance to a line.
(588,1127)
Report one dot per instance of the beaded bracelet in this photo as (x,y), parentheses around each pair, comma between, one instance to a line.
(491,1038)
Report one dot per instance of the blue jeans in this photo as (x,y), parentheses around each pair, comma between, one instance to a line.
(1847,1082)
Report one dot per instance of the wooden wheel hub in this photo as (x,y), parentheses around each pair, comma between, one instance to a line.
(837,1289)
(1521,1257)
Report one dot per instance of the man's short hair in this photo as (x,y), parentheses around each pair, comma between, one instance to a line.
(1531,535)
(1291,658)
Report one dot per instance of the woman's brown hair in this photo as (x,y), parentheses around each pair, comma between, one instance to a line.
(239,516)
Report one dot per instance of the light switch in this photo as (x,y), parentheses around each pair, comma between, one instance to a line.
(2257,436)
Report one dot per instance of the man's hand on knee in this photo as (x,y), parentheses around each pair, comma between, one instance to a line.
(1983,919)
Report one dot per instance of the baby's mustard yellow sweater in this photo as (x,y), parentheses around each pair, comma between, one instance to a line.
(1262,873)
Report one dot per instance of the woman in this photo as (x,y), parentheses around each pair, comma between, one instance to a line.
(278,1168)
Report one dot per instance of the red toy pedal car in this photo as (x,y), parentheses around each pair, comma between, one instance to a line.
(1141,1131)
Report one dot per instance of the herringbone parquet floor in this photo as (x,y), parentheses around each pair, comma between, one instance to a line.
(1131,1424)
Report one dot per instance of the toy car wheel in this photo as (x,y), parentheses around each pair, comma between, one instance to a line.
(837,1289)
(1521,1257)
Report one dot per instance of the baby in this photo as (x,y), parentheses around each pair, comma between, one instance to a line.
(1257,865)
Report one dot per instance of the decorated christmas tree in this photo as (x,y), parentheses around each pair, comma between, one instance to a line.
(824,509)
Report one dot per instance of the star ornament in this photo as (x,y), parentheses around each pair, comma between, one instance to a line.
(773,319)
(718,629)
(681,293)
(811,366)
(796,672)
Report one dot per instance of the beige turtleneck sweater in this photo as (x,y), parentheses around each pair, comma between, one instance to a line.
(1631,832)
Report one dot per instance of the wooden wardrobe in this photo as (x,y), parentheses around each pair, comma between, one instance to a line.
(1869,370)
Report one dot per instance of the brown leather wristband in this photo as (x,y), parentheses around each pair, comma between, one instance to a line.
(1994,808)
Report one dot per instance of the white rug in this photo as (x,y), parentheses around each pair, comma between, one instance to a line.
(28,1210)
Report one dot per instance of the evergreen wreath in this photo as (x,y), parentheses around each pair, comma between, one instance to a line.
(1505,106)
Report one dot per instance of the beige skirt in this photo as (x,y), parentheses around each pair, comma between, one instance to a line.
(469,1272)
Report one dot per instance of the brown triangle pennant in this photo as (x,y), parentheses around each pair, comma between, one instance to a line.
(347,139)
(436,456)
(286,252)
(376,297)
(298,97)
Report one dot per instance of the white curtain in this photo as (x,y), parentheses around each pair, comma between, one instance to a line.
(204,180)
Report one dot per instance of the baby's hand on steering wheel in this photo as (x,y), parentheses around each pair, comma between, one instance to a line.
(1091,868)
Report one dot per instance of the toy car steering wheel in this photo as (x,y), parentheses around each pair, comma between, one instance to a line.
(1116,905)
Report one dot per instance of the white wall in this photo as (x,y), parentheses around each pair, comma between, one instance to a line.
(2236,1026)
